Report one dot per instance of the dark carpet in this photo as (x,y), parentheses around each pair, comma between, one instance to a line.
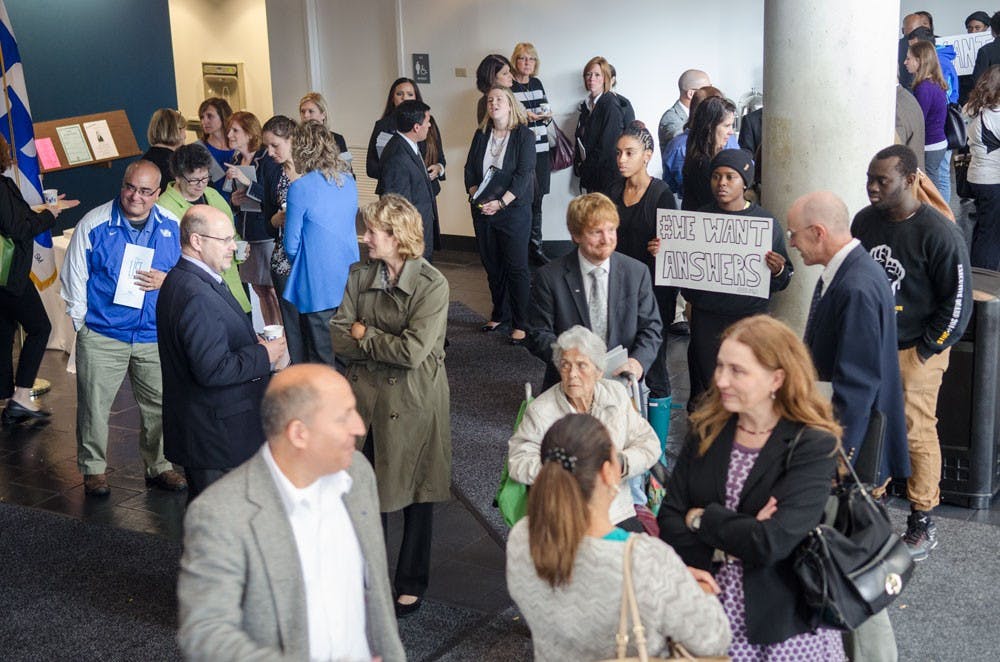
(487,377)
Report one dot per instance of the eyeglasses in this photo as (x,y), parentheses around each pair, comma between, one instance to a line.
(196,182)
(143,192)
(791,234)
(231,239)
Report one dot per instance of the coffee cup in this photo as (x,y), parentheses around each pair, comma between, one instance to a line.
(242,250)
(272,331)
(51,196)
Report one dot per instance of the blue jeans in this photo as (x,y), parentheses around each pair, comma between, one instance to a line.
(938,163)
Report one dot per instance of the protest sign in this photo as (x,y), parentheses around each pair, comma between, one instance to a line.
(713,252)
(966,46)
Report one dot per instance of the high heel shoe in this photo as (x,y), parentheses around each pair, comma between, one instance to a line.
(490,326)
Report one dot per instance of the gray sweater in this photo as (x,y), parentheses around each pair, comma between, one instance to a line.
(579,621)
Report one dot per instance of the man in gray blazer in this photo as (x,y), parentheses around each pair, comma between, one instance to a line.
(284,556)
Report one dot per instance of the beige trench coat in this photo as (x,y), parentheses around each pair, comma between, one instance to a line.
(398,376)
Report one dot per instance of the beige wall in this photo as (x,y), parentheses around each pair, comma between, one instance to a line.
(221,31)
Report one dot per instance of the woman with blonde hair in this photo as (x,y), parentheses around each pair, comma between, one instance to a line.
(166,132)
(530,92)
(565,559)
(319,237)
(602,120)
(245,137)
(751,482)
(390,330)
(501,160)
(930,89)
(313,108)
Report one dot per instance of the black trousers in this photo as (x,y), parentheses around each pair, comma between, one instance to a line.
(703,349)
(985,251)
(413,567)
(27,310)
(199,480)
(658,377)
(503,247)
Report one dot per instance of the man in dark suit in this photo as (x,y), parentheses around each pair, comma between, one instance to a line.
(851,334)
(284,557)
(402,168)
(851,331)
(215,369)
(572,289)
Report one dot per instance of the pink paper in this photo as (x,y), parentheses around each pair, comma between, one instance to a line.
(47,153)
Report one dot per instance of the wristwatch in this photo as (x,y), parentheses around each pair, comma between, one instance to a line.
(695,523)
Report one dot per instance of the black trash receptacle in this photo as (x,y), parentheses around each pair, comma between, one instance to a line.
(968,416)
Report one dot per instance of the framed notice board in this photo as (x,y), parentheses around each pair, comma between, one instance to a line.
(84,140)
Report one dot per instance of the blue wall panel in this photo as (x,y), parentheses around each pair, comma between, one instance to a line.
(91,56)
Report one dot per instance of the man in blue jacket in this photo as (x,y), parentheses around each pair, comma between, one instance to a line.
(116,333)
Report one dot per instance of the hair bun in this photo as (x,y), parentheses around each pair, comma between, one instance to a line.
(637,124)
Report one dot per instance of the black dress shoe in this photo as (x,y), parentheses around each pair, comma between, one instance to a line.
(406,610)
(490,326)
(15,412)
(517,342)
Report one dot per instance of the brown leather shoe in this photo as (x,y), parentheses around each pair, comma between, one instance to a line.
(96,485)
(169,480)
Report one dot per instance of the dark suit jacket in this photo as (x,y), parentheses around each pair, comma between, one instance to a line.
(387,125)
(559,301)
(853,343)
(987,56)
(599,130)
(241,593)
(403,172)
(518,163)
(774,608)
(214,372)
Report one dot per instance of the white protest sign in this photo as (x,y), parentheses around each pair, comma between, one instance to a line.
(966,46)
(714,252)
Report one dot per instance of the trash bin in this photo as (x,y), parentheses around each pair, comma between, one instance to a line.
(968,404)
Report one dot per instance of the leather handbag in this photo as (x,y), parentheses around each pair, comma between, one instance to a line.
(630,606)
(854,565)
(560,148)
(954,127)
(927,193)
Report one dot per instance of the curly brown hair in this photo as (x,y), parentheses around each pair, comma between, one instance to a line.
(314,148)
(986,93)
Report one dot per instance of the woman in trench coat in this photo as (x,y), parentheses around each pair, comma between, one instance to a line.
(390,329)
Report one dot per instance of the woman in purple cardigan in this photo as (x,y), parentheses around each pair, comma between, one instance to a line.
(929,89)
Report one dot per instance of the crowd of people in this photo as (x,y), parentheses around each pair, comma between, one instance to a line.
(292,439)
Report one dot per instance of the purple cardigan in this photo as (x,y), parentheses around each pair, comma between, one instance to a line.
(934,103)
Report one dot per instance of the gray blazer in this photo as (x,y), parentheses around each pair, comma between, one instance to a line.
(240,592)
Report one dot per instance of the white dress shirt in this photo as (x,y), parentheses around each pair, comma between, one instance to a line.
(332,565)
(834,264)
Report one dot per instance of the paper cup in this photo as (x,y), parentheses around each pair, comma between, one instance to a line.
(242,248)
(51,196)
(273,331)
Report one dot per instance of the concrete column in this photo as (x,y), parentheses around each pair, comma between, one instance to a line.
(829,105)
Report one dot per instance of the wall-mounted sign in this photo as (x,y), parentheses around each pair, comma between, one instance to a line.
(422,67)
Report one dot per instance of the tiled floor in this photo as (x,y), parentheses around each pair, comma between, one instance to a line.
(38,469)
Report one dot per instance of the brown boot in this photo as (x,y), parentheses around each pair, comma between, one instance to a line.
(169,480)
(96,485)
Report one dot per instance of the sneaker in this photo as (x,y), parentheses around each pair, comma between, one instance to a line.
(921,534)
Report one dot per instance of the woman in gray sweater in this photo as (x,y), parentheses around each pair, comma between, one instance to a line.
(564,560)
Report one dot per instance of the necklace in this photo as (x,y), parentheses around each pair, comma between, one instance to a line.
(497,146)
(754,432)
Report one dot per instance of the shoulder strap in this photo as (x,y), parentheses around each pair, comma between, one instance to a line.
(630,606)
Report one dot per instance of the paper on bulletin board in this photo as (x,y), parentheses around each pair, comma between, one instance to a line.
(47,155)
(74,144)
(101,141)
(714,252)
(136,258)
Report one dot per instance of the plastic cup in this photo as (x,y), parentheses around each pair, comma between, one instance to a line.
(272,331)
(242,248)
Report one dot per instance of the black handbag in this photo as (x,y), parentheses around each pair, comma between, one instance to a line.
(854,565)
(954,127)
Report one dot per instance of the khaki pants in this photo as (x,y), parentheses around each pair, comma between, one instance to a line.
(101,365)
(921,383)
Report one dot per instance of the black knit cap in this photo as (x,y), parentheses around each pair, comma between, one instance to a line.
(739,160)
(980,16)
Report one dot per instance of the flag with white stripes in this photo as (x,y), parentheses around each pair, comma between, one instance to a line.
(17,129)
